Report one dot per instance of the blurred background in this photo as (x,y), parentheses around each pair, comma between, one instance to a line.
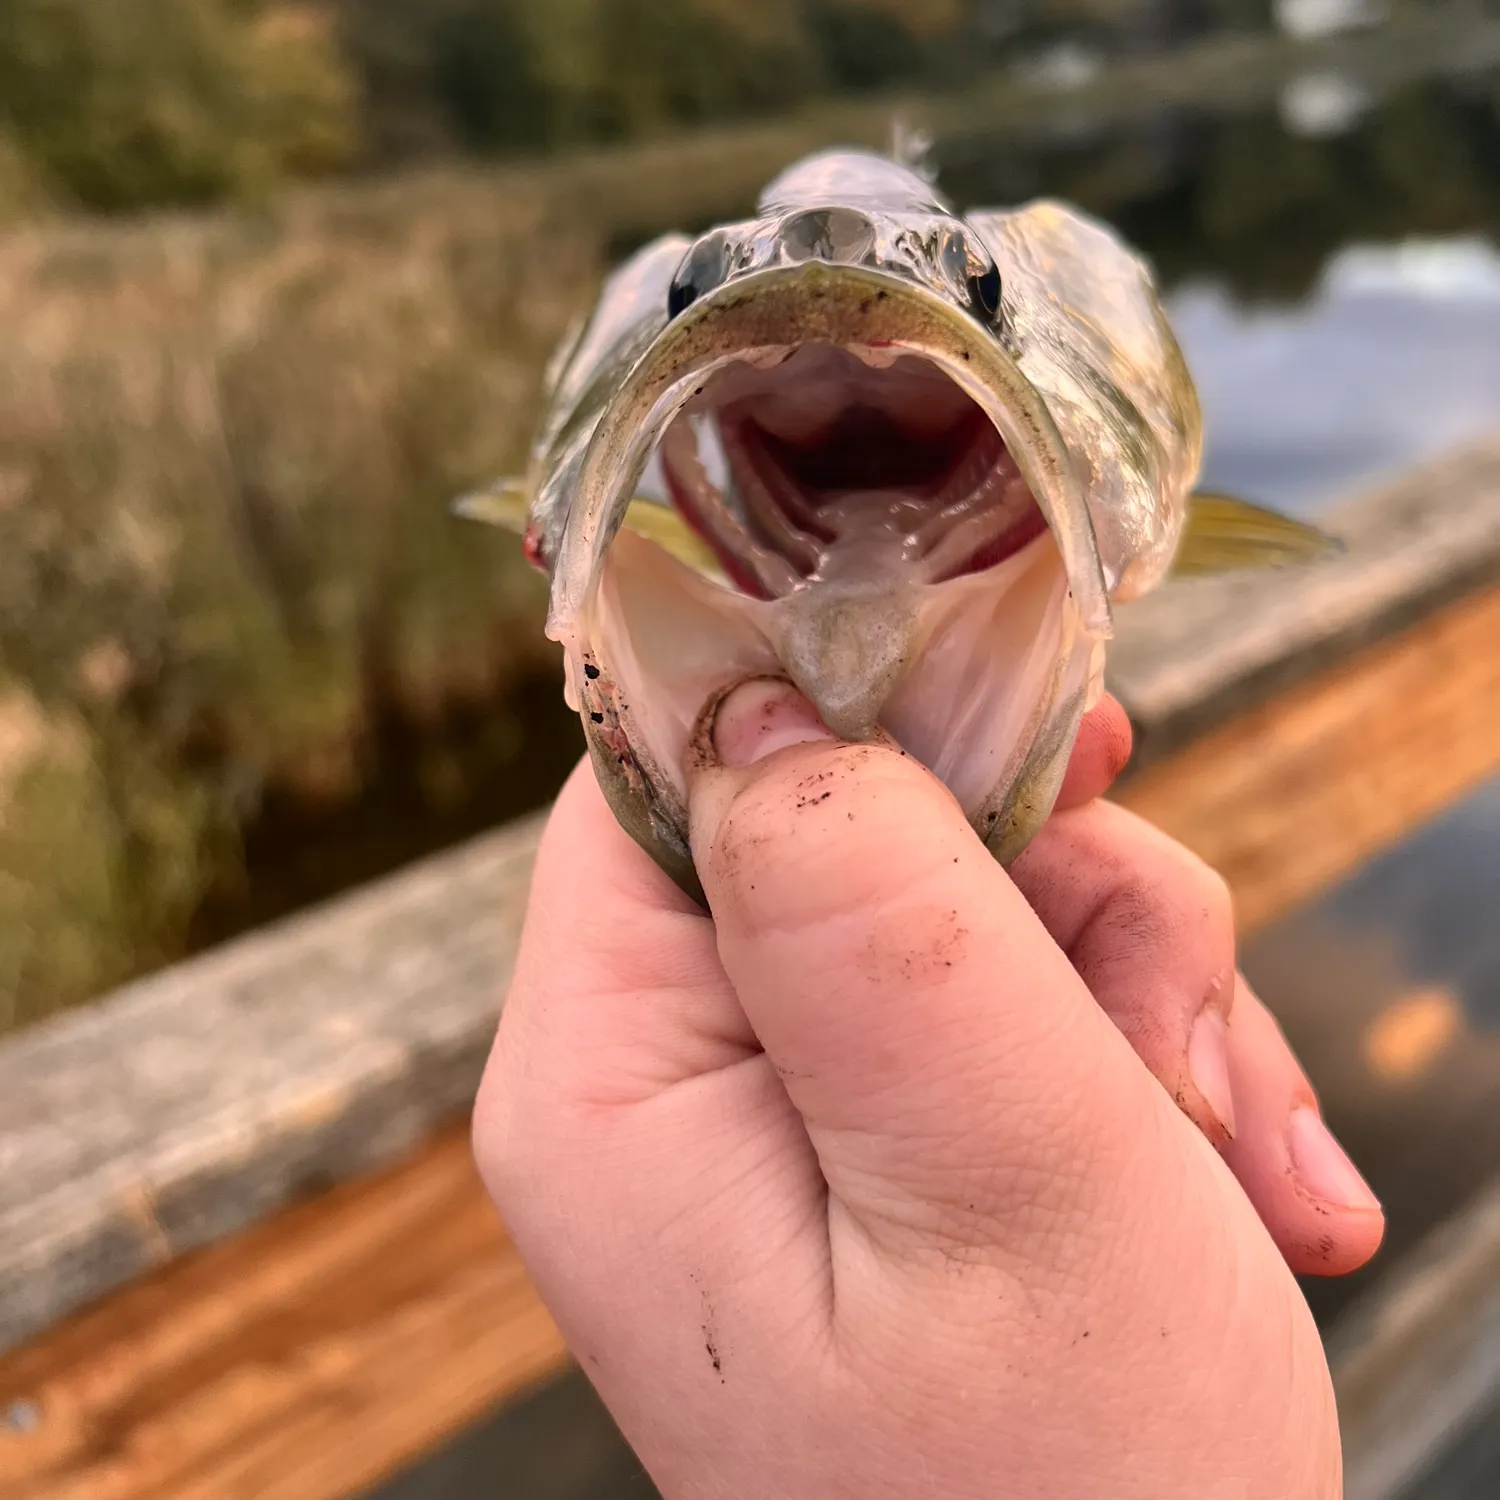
(277,281)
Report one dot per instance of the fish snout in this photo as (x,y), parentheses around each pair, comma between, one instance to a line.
(840,235)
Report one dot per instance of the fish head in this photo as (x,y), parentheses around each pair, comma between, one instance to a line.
(830,408)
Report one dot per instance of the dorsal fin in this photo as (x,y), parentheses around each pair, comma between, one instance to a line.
(911,147)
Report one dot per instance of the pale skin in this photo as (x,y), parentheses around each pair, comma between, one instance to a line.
(904,1177)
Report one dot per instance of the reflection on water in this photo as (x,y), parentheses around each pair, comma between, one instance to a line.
(1322,104)
(1389,989)
(1333,259)
(1394,358)
(1440,894)
(1323,17)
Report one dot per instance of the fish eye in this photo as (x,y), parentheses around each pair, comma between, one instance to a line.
(702,269)
(968,265)
(984,292)
(681,296)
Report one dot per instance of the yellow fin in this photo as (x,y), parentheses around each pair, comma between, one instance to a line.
(672,534)
(1224,534)
(506,504)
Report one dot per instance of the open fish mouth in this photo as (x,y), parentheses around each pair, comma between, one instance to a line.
(844,466)
(878,510)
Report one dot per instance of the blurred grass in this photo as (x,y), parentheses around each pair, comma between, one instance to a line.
(135,102)
(226,452)
(228,445)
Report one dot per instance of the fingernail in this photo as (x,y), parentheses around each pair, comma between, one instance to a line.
(761,717)
(1208,1065)
(1322,1167)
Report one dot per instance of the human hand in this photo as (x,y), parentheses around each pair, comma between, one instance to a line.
(865,1188)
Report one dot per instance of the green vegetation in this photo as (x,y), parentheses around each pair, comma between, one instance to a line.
(227,450)
(170,101)
(135,102)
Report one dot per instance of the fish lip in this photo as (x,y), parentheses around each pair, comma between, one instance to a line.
(784,307)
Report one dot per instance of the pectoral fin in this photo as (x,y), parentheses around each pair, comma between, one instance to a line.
(672,534)
(1224,535)
(506,504)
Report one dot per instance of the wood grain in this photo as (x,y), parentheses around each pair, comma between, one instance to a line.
(1291,795)
(202,1099)
(304,1360)
(1195,653)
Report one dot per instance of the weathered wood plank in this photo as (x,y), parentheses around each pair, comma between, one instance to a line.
(1194,653)
(202,1099)
(304,1360)
(1289,796)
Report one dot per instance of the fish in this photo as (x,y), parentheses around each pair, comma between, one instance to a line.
(907,458)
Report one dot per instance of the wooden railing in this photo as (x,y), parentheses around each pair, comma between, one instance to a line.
(243,1252)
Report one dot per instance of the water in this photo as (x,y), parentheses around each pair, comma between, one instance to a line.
(1389,991)
(1333,264)
(1392,360)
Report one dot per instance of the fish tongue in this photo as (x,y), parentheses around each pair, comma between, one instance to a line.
(846,647)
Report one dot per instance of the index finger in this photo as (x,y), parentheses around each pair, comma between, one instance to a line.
(1100,752)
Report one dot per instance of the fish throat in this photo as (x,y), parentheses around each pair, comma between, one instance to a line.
(864,469)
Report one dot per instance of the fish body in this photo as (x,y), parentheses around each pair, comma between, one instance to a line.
(907,458)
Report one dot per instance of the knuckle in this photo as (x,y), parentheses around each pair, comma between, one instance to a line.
(1135,921)
(1158,937)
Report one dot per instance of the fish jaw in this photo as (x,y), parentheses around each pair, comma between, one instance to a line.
(763,318)
(660,642)
(647,641)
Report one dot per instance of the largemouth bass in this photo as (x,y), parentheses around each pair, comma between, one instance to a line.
(908,459)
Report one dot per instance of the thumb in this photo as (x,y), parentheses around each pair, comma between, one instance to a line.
(939,1046)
